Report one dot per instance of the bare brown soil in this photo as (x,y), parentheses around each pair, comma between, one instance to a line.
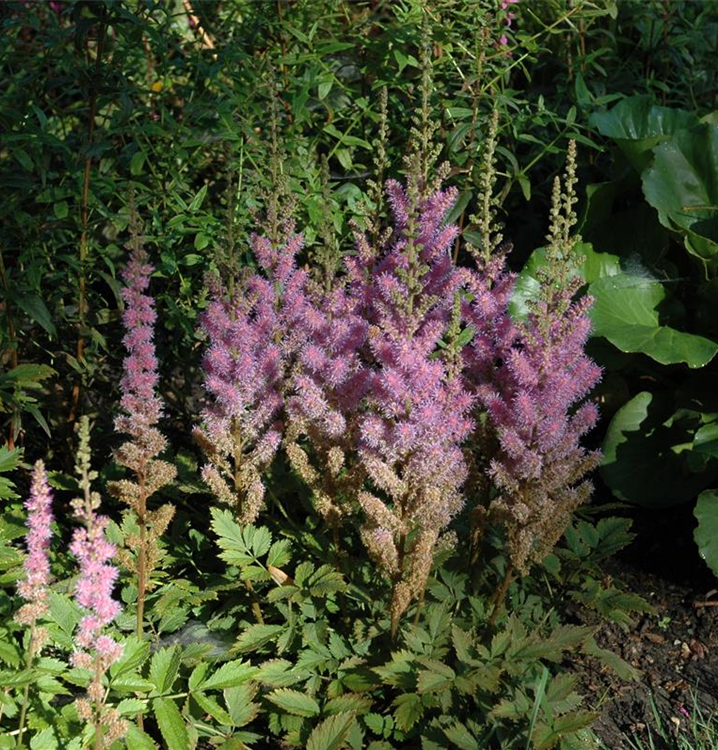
(675,648)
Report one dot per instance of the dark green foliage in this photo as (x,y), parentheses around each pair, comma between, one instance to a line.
(272,634)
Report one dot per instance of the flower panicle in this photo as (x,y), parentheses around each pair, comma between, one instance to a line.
(95,650)
(252,338)
(418,407)
(535,398)
(34,587)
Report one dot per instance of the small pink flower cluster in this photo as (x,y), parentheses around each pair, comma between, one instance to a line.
(505,4)
(252,337)
(93,591)
(139,400)
(34,588)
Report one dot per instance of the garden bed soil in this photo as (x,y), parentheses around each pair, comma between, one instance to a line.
(675,647)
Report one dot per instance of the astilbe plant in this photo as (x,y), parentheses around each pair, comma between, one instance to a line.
(416,415)
(34,586)
(329,383)
(142,410)
(94,649)
(252,340)
(541,373)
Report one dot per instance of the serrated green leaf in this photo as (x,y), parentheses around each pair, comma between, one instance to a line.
(409,709)
(375,722)
(276,673)
(359,704)
(612,660)
(132,683)
(261,540)
(553,646)
(257,635)
(435,679)
(164,667)
(279,553)
(197,676)
(9,459)
(44,740)
(332,733)
(139,740)
(229,675)
(171,724)
(134,654)
(130,706)
(239,703)
(208,704)
(294,702)
(64,612)
(461,737)
(544,737)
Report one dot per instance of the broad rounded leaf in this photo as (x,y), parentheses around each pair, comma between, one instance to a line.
(682,185)
(625,312)
(706,533)
(706,439)
(636,125)
(527,288)
(645,453)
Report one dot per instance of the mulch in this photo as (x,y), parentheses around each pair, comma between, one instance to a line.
(675,648)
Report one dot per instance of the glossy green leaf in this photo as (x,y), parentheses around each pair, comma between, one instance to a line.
(706,533)
(706,439)
(645,453)
(682,185)
(636,125)
(593,266)
(625,312)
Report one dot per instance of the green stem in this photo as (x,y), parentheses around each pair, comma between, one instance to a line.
(395,616)
(501,593)
(26,693)
(141,552)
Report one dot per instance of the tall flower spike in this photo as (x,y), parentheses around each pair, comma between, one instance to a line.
(417,408)
(142,410)
(252,341)
(330,381)
(95,650)
(485,311)
(33,588)
(542,373)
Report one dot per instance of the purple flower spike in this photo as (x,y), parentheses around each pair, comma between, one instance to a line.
(93,590)
(253,337)
(34,587)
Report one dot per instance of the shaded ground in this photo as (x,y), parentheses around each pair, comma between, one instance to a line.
(676,649)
